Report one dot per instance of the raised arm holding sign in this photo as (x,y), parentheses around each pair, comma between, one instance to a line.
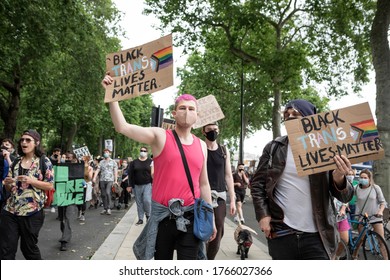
(171,190)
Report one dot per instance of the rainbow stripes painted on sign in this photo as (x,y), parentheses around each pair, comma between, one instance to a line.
(368,130)
(163,58)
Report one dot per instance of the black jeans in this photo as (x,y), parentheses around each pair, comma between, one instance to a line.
(27,228)
(169,239)
(219,215)
(64,224)
(303,246)
(125,196)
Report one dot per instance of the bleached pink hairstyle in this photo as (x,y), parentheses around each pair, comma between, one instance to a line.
(186,97)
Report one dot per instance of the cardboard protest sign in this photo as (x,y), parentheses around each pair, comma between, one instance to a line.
(168,124)
(68,193)
(108,144)
(209,111)
(349,131)
(140,70)
(69,184)
(83,151)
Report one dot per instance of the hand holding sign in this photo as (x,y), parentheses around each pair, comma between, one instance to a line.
(316,139)
(139,70)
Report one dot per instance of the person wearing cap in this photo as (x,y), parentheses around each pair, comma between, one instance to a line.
(221,180)
(23,216)
(108,171)
(296,213)
(170,226)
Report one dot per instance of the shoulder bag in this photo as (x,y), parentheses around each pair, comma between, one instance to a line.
(203,211)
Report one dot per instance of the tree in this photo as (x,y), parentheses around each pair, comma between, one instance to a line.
(381,60)
(54,49)
(280,38)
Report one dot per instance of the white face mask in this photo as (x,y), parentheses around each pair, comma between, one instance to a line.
(350,178)
(143,154)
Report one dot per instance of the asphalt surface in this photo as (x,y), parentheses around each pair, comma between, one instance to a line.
(87,236)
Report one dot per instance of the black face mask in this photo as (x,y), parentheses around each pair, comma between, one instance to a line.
(212,135)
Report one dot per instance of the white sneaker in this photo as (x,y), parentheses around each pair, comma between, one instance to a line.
(53,210)
(108,211)
(103,212)
(236,219)
(82,218)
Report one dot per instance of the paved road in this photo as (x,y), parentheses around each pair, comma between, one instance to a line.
(86,236)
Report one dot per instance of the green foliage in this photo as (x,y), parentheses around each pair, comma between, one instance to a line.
(53,59)
(286,47)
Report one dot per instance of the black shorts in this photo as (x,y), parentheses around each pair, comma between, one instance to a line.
(240,195)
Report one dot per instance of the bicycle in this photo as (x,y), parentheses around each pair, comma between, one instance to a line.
(372,244)
(386,218)
(387,230)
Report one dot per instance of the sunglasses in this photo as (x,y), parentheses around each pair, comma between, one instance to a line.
(143,150)
(27,140)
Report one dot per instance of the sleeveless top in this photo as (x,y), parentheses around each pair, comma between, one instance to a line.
(216,169)
(170,179)
(86,176)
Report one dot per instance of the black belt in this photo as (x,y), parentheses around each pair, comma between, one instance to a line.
(285,232)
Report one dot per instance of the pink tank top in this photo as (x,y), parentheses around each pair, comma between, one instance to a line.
(170,180)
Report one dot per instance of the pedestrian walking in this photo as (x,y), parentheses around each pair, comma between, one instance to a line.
(22,217)
(170,225)
(296,213)
(108,171)
(140,181)
(221,183)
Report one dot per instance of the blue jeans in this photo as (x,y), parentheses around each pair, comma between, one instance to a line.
(143,199)
(305,246)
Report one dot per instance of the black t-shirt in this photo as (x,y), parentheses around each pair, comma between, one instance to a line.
(140,172)
(216,169)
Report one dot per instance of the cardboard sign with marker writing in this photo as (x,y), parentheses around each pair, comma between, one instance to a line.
(209,111)
(140,70)
(168,124)
(349,131)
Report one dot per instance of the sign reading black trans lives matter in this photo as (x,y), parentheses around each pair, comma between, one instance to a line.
(316,139)
(140,70)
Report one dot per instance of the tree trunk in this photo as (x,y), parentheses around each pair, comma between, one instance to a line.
(71,134)
(276,119)
(381,60)
(10,111)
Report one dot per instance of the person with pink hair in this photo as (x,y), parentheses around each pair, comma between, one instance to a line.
(170,225)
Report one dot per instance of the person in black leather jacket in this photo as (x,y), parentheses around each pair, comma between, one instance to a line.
(296,213)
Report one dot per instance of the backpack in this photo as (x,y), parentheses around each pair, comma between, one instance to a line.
(223,148)
(48,194)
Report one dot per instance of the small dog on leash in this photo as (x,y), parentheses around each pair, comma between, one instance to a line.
(243,237)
